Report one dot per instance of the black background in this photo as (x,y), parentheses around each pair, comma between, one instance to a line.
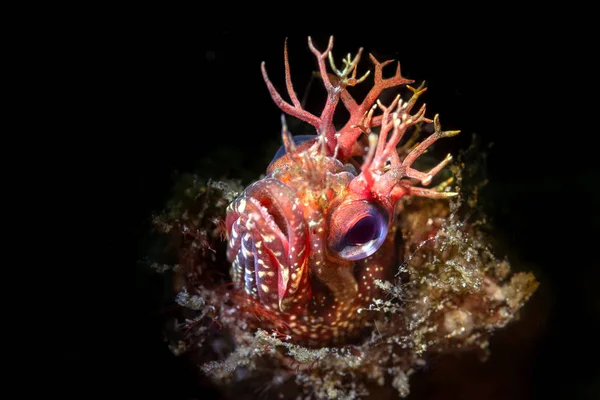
(175,94)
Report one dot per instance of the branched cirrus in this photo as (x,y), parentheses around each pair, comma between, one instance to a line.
(307,241)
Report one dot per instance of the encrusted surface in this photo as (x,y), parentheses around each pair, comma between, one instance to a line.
(451,292)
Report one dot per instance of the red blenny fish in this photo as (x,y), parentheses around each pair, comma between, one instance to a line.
(308,240)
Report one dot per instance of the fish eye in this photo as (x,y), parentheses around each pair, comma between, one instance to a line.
(297,140)
(357,230)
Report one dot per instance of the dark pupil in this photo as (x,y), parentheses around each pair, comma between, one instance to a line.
(362,232)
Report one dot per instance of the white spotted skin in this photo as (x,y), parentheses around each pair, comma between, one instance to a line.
(277,231)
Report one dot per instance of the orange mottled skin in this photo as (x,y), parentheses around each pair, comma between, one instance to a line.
(330,290)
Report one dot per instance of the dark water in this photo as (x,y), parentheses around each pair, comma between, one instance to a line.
(196,101)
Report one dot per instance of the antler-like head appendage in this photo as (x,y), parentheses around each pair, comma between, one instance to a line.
(384,175)
(340,143)
(323,123)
